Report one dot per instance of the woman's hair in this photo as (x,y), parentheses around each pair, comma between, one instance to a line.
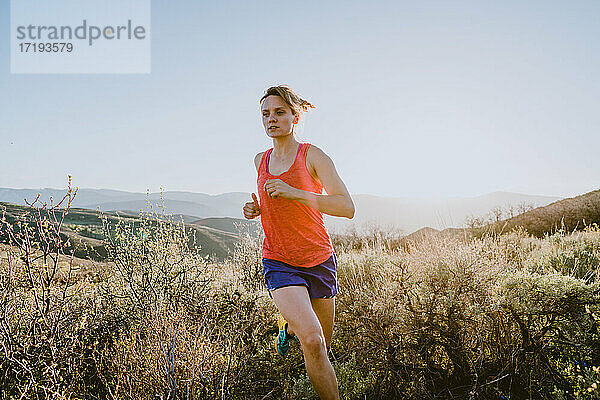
(295,102)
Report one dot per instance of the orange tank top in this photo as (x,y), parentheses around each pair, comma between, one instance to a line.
(294,232)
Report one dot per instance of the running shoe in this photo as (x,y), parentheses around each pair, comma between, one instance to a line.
(282,342)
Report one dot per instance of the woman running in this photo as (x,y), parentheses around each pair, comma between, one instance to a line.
(299,263)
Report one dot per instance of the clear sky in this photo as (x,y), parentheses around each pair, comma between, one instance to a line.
(422,99)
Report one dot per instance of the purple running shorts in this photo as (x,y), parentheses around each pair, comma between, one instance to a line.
(320,280)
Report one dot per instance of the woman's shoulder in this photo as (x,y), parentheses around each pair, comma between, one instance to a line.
(315,155)
(316,160)
(258,158)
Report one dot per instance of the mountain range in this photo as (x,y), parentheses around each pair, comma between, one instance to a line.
(404,214)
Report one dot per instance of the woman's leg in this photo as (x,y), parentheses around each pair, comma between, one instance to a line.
(295,306)
(325,310)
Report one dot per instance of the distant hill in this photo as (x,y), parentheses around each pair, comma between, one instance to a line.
(171,207)
(412,214)
(431,232)
(232,225)
(200,205)
(176,217)
(85,226)
(406,214)
(84,196)
(217,236)
(570,214)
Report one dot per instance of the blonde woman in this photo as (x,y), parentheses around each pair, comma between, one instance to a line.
(299,262)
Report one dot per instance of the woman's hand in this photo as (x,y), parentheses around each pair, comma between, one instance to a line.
(278,188)
(252,209)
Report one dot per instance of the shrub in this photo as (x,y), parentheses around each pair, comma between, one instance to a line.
(577,255)
(463,319)
(44,305)
(502,316)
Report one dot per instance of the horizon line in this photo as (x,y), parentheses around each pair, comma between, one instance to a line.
(352,194)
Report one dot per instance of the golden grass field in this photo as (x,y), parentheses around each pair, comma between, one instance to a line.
(501,316)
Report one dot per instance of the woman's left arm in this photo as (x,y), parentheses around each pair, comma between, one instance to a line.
(336,202)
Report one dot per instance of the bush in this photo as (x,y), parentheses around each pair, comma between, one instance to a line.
(45,301)
(577,255)
(503,316)
(464,320)
(352,384)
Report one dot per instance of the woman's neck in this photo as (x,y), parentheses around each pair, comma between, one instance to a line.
(284,146)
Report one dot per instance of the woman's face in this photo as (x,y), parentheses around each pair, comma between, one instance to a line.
(277,117)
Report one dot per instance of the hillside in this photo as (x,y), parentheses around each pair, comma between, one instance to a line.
(428,232)
(231,225)
(569,214)
(171,207)
(412,214)
(408,214)
(85,227)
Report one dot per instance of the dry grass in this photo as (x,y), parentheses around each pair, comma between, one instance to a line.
(498,317)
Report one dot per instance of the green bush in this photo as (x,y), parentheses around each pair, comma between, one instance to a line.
(577,255)
(464,319)
(352,384)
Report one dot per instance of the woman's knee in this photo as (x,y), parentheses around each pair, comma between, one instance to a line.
(313,342)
